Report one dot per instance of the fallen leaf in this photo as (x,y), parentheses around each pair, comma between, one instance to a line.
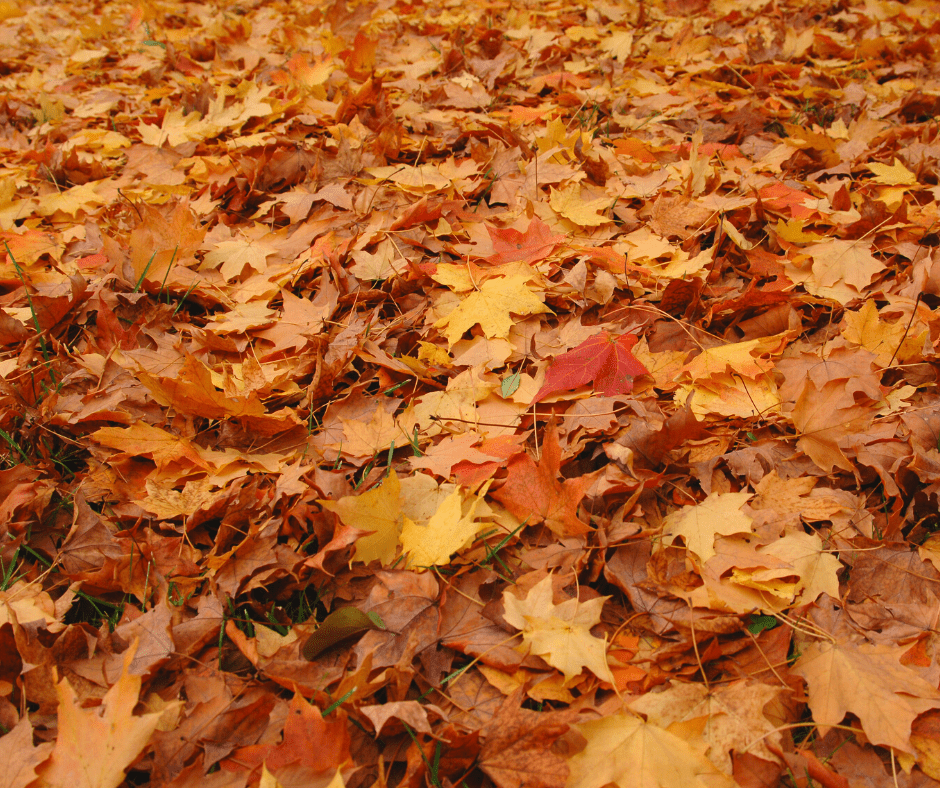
(96,746)
(535,244)
(448,530)
(534,493)
(625,751)
(603,359)
(734,717)
(378,513)
(338,626)
(568,203)
(868,681)
(560,634)
(698,525)
(490,307)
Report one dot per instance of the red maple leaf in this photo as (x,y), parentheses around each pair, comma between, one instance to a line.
(603,359)
(536,243)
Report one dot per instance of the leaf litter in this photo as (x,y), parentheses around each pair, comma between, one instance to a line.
(469,395)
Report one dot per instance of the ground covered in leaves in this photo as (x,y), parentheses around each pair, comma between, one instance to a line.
(469,394)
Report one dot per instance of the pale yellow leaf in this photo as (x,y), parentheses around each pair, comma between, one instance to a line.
(446,532)
(490,308)
(568,203)
(560,634)
(625,751)
(719,513)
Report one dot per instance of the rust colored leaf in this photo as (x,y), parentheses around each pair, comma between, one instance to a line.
(532,245)
(309,741)
(534,493)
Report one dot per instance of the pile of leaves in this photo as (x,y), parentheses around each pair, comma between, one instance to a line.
(501,394)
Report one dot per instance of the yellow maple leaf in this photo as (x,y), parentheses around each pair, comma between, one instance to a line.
(377,511)
(456,277)
(71,201)
(625,751)
(490,307)
(176,129)
(559,634)
(896,181)
(232,257)
(740,357)
(865,328)
(894,175)
(445,533)
(568,203)
(730,395)
(423,179)
(619,44)
(791,230)
(557,136)
(719,513)
(434,354)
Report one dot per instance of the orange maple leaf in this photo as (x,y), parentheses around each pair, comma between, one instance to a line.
(533,492)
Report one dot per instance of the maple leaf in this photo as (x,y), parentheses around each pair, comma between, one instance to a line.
(490,307)
(733,713)
(840,270)
(730,395)
(166,502)
(378,512)
(250,299)
(619,44)
(71,201)
(533,493)
(560,634)
(816,568)
(535,244)
(20,757)
(866,329)
(94,747)
(310,742)
(625,751)
(192,390)
(445,533)
(139,439)
(603,359)
(719,513)
(518,747)
(869,681)
(828,404)
(892,175)
(568,203)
